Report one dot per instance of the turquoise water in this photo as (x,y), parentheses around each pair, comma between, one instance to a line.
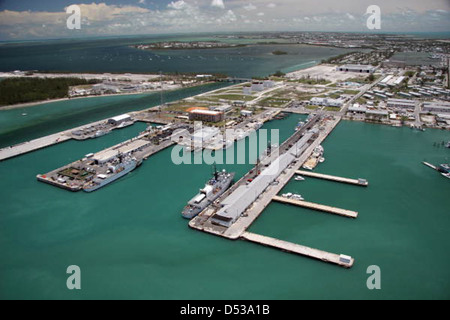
(48,118)
(131,242)
(116,55)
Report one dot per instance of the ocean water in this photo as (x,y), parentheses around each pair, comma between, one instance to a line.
(116,55)
(130,241)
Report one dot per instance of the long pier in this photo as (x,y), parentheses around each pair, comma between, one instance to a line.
(36,144)
(238,230)
(341,260)
(358,182)
(318,207)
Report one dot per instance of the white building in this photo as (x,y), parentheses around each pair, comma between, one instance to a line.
(257,86)
(401,103)
(436,107)
(246,113)
(119,119)
(357,68)
(327,102)
(204,135)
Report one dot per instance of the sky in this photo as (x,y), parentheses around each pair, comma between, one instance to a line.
(34,19)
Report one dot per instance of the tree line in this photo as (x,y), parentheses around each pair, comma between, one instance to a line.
(24,90)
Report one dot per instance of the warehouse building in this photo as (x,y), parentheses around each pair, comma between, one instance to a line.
(357,68)
(401,103)
(206,115)
(241,199)
(326,102)
(437,107)
(120,119)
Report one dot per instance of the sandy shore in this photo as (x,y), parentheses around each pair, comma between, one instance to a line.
(88,76)
(31,104)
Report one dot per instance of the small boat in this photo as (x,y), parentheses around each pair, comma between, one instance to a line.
(24,114)
(447,145)
(447,175)
(297,197)
(299,178)
(321,159)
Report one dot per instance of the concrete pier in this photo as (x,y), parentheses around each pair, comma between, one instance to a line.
(36,144)
(341,260)
(318,207)
(358,182)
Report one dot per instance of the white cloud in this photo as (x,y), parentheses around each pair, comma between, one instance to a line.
(200,15)
(218,4)
(249,7)
(229,17)
(178,5)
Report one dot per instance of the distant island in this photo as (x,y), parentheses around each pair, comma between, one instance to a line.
(179,45)
(279,53)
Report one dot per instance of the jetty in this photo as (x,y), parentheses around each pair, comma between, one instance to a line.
(317,207)
(36,144)
(341,260)
(358,182)
(235,211)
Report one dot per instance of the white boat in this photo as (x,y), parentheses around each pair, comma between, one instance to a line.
(287,195)
(321,159)
(24,114)
(299,178)
(297,197)
(447,175)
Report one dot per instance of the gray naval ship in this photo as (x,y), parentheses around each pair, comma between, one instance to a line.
(213,189)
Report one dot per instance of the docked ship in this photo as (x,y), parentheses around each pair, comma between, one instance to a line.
(113,173)
(444,169)
(447,145)
(213,189)
(316,157)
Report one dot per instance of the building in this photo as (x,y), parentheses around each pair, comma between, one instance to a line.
(246,113)
(381,114)
(437,107)
(356,108)
(357,68)
(244,196)
(247,90)
(327,102)
(401,103)
(120,119)
(204,135)
(126,149)
(239,103)
(206,115)
(268,84)
(223,108)
(257,86)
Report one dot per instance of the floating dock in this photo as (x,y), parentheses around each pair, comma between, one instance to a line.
(318,207)
(341,260)
(358,182)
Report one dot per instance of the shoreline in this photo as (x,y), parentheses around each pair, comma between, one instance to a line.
(36,103)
